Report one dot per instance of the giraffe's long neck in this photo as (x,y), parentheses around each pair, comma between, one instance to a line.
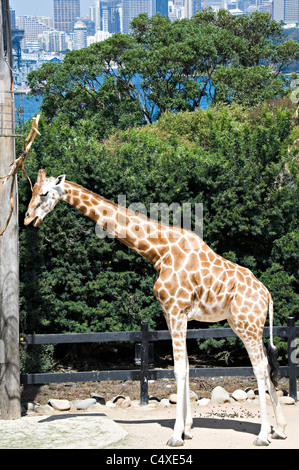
(133,229)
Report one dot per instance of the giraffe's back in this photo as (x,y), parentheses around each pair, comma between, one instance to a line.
(205,286)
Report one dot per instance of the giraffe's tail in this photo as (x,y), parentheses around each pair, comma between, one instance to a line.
(272,350)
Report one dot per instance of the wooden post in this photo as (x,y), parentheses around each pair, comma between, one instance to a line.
(9,253)
(144,364)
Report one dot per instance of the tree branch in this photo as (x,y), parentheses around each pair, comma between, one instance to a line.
(16,164)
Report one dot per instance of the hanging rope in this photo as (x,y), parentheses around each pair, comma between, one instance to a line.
(19,162)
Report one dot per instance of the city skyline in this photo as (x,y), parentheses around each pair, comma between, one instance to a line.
(45,8)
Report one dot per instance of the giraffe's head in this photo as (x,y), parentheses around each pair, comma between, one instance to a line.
(45,195)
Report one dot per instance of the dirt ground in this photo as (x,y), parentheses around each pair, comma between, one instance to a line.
(229,426)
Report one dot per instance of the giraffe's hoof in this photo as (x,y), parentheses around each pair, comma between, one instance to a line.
(187,435)
(278,435)
(260,442)
(175,442)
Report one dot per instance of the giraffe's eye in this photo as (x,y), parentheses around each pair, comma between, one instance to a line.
(45,194)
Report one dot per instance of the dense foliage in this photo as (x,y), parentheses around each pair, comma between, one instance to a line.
(240,161)
(168,66)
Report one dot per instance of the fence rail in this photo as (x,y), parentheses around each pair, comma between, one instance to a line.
(144,373)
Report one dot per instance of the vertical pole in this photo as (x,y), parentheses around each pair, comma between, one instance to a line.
(9,253)
(144,364)
(291,356)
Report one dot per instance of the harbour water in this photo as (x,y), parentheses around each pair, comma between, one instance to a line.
(26,107)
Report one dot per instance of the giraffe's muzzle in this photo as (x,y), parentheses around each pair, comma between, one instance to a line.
(30,218)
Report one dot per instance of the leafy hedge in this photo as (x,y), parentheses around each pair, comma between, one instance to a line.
(241,164)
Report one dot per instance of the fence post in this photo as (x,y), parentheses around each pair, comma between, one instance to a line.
(9,242)
(144,364)
(291,356)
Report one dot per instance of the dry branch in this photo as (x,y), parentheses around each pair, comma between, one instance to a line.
(19,162)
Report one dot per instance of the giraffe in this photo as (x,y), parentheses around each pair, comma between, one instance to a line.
(192,283)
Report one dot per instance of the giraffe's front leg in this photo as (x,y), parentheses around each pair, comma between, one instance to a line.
(188,414)
(179,427)
(183,421)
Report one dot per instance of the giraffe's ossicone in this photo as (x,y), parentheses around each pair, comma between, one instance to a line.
(193,283)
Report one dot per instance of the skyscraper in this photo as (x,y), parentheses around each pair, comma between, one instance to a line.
(286,10)
(110,15)
(278,10)
(33,26)
(132,8)
(291,11)
(80,35)
(197,5)
(65,12)
(162,7)
(106,14)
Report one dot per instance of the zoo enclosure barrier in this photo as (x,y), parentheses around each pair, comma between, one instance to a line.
(144,373)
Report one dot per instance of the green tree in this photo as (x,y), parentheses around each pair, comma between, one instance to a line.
(162,66)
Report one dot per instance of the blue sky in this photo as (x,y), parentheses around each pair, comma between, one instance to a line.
(42,7)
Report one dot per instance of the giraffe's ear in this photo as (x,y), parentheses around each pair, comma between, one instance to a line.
(60,179)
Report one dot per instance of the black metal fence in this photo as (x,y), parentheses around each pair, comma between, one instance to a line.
(144,373)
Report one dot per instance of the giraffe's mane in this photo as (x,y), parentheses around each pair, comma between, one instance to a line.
(128,211)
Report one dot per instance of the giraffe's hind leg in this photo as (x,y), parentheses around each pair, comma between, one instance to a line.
(279,431)
(254,346)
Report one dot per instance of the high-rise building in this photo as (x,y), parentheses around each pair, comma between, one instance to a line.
(65,13)
(197,5)
(176,9)
(215,4)
(278,10)
(53,41)
(80,35)
(162,7)
(132,8)
(90,25)
(286,10)
(95,14)
(33,26)
(107,15)
(291,11)
(111,16)
(12,14)
(188,9)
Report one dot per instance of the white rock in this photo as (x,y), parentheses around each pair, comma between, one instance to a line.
(59,405)
(118,400)
(203,401)
(220,395)
(84,404)
(164,402)
(250,394)
(239,395)
(110,404)
(44,410)
(287,400)
(173,398)
(126,403)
